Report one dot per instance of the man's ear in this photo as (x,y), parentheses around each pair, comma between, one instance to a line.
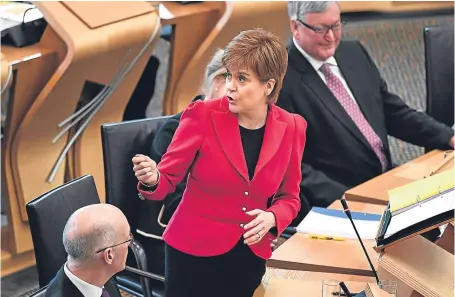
(108,255)
(294,29)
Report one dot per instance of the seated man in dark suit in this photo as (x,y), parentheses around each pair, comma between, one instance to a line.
(96,239)
(337,88)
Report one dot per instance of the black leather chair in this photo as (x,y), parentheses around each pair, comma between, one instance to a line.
(47,216)
(121,141)
(439,65)
(39,293)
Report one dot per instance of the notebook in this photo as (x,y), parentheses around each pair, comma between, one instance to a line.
(421,191)
(335,223)
(416,208)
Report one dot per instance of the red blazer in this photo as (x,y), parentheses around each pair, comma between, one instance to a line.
(209,220)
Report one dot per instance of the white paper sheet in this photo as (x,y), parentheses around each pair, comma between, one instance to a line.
(331,222)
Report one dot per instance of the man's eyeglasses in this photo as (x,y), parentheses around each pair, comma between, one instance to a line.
(324,30)
(129,241)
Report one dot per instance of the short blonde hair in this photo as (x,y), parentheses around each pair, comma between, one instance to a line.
(259,51)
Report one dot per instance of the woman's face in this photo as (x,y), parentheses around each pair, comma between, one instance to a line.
(246,93)
(217,87)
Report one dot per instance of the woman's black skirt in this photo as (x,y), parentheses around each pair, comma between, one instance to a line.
(235,274)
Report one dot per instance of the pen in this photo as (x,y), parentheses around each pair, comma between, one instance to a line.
(343,294)
(314,236)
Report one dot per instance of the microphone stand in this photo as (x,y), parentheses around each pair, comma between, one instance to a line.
(348,213)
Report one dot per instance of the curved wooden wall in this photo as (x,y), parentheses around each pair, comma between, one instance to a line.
(237,16)
(90,52)
(5,70)
(34,65)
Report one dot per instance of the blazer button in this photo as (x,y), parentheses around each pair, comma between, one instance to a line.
(246,193)
(241,225)
(243,209)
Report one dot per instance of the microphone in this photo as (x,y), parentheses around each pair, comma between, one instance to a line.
(348,213)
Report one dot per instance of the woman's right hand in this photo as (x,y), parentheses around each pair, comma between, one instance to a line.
(145,169)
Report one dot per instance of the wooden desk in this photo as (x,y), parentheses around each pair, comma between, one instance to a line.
(334,257)
(337,257)
(375,190)
(360,207)
(293,288)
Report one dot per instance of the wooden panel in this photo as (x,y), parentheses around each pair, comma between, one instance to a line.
(192,25)
(301,253)
(422,265)
(5,72)
(360,207)
(447,239)
(236,17)
(13,263)
(96,14)
(375,191)
(34,65)
(292,288)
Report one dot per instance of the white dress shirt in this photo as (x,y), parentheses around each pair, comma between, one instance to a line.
(88,290)
(332,64)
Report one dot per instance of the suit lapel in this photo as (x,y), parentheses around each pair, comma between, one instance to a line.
(274,132)
(314,82)
(68,288)
(228,134)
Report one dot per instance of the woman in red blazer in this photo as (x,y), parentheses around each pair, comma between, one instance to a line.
(239,150)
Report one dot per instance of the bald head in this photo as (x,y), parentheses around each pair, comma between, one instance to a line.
(90,229)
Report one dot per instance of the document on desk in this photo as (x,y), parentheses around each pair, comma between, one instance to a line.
(335,223)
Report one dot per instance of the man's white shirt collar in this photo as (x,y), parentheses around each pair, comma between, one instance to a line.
(315,63)
(88,290)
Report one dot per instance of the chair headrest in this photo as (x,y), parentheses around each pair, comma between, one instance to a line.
(121,141)
(47,216)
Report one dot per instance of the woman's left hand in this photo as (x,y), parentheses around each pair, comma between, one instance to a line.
(259,226)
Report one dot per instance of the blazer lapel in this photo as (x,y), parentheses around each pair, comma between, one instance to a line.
(274,132)
(228,134)
(314,82)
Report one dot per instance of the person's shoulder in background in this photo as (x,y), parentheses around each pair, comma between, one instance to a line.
(165,133)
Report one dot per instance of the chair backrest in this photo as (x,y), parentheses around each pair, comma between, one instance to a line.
(47,216)
(39,293)
(121,141)
(439,65)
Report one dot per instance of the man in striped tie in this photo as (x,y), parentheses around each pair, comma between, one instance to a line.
(96,239)
(337,88)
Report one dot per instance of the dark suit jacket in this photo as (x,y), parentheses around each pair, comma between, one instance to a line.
(61,286)
(218,194)
(337,156)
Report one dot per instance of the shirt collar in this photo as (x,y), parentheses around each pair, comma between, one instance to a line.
(315,63)
(88,290)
